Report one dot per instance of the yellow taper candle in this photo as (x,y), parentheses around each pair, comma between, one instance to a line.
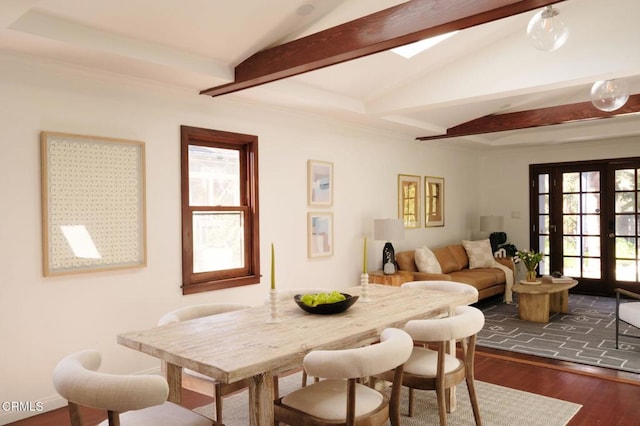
(364,260)
(273,268)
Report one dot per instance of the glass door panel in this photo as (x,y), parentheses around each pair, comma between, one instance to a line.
(626,228)
(580,214)
(544,223)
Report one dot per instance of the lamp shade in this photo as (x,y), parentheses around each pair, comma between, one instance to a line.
(546,31)
(491,223)
(388,229)
(609,95)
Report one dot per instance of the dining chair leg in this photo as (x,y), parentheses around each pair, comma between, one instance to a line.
(75,415)
(411,401)
(442,406)
(473,397)
(218,400)
(114,418)
(394,400)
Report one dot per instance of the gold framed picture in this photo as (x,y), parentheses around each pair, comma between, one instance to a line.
(409,200)
(433,201)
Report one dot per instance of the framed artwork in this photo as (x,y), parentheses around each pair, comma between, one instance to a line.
(93,203)
(409,200)
(320,234)
(434,201)
(319,183)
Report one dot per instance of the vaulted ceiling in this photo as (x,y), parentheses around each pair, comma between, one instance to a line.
(484,77)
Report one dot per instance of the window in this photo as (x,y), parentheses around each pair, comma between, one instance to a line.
(220,238)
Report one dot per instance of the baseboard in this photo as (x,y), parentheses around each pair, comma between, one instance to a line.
(12,411)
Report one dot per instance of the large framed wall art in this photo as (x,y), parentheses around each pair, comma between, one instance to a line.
(93,203)
(434,201)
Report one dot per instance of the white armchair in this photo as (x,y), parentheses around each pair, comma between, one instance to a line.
(628,312)
(128,399)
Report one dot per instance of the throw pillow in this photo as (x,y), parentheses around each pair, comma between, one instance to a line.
(426,261)
(479,253)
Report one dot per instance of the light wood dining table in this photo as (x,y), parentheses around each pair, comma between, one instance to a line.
(241,344)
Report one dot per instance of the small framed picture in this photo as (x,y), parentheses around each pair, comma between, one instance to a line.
(320,234)
(434,201)
(320,183)
(409,200)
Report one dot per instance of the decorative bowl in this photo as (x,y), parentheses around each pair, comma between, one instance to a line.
(327,308)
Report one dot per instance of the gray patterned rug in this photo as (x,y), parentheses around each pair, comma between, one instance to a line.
(586,335)
(499,406)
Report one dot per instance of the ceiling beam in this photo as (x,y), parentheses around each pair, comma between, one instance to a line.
(561,114)
(393,27)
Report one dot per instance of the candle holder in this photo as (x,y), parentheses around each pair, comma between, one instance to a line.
(274,317)
(364,284)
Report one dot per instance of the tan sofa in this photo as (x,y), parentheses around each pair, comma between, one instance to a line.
(454,263)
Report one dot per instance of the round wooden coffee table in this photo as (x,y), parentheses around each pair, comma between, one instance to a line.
(536,301)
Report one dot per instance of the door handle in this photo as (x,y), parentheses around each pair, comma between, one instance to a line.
(612,235)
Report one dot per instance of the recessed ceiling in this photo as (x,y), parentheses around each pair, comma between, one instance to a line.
(483,70)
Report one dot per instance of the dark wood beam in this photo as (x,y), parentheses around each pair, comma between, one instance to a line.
(561,114)
(399,25)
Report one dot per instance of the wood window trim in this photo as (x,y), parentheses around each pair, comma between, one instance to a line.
(248,145)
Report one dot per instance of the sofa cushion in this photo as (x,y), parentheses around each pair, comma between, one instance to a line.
(426,261)
(477,278)
(479,253)
(447,261)
(498,274)
(406,261)
(460,254)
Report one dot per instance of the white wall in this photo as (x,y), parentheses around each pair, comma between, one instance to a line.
(43,319)
(505,173)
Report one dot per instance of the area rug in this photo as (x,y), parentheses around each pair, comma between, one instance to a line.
(498,406)
(585,335)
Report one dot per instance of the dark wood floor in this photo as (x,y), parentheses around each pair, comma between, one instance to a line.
(608,397)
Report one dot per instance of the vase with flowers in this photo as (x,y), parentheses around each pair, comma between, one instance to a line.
(531,259)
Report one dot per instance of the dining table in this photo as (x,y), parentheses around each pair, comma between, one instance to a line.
(246,345)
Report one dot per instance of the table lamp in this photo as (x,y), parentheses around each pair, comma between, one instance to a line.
(387,230)
(493,225)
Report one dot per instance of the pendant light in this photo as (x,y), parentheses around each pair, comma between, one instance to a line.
(546,31)
(609,95)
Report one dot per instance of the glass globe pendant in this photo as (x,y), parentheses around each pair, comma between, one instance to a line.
(546,31)
(609,95)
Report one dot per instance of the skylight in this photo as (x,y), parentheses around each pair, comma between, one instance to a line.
(410,50)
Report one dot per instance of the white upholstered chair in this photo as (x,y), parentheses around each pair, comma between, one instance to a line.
(128,399)
(628,312)
(434,369)
(193,380)
(338,398)
(443,286)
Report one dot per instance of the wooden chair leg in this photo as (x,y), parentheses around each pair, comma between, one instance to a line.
(473,397)
(276,387)
(440,389)
(411,401)
(75,414)
(114,418)
(304,378)
(218,398)
(394,400)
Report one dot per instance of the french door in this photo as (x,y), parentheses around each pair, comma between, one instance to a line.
(585,218)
